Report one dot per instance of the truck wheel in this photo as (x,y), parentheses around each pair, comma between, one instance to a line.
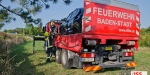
(64,59)
(58,56)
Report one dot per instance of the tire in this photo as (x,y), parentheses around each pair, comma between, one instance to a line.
(76,27)
(58,56)
(64,59)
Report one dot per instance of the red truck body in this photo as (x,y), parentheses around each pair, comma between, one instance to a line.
(110,25)
(109,19)
(104,22)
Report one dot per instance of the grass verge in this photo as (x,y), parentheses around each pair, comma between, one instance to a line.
(6,42)
(34,64)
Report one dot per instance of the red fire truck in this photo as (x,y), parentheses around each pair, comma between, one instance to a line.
(109,37)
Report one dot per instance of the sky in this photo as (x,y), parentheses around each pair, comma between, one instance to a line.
(60,10)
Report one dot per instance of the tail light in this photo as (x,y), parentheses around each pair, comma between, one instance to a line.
(131,64)
(88,55)
(128,54)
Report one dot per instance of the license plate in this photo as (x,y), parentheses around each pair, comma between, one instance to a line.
(87,59)
(108,48)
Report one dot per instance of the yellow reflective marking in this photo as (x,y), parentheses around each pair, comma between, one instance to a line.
(108,48)
(96,68)
(88,69)
(128,64)
(133,64)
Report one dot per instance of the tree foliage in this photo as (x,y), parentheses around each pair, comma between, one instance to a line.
(27,9)
(28,30)
(144,37)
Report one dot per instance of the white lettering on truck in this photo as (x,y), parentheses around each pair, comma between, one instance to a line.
(113,22)
(115,14)
(112,13)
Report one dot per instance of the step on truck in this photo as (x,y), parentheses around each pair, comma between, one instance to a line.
(106,36)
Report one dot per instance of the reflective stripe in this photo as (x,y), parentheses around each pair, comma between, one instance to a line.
(91,68)
(46,39)
(50,46)
(47,43)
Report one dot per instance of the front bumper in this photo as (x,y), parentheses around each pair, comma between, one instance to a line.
(120,64)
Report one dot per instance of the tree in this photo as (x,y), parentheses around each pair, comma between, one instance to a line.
(27,9)
(148,29)
(143,31)
(5,30)
(19,30)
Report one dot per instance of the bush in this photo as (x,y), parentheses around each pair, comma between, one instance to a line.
(144,40)
(10,40)
(144,37)
(6,42)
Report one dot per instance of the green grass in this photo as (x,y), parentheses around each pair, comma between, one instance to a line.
(34,64)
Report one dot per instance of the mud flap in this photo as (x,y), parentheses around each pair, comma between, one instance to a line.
(76,62)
